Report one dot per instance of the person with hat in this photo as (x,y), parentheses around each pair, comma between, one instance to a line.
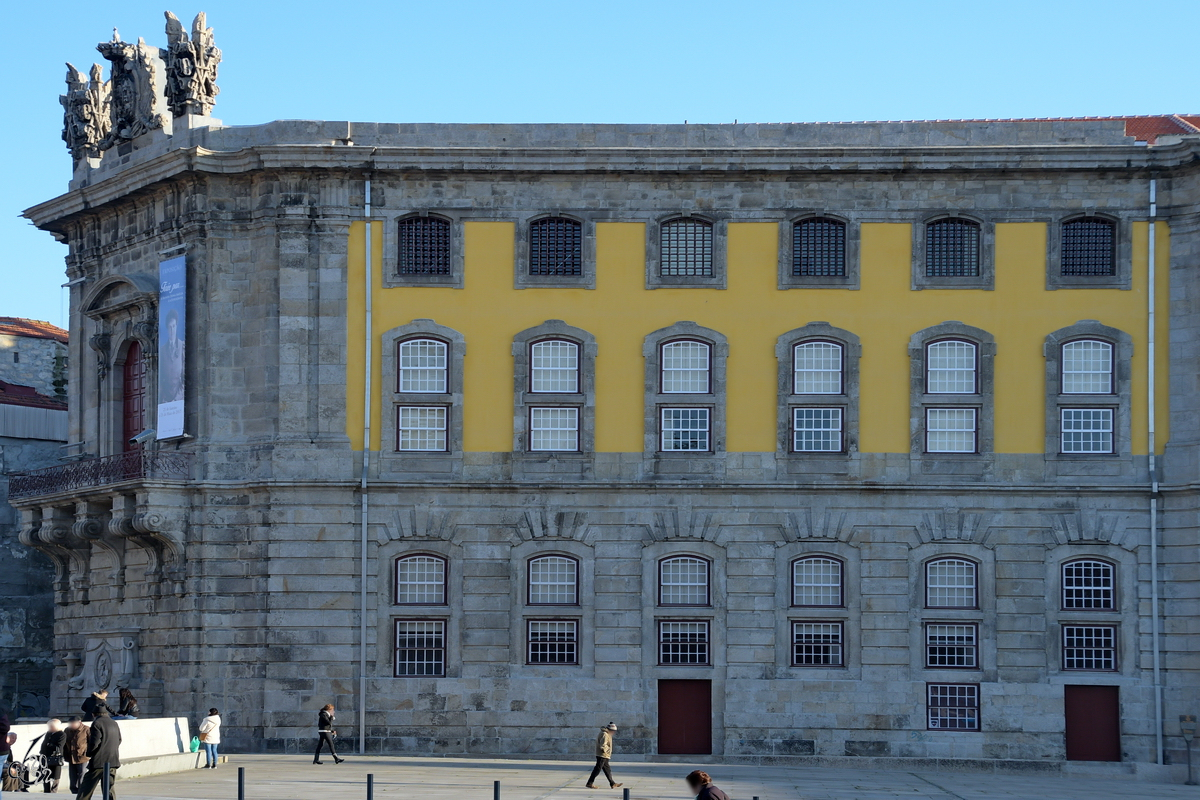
(603,756)
(75,746)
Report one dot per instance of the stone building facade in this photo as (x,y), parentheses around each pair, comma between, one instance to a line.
(809,467)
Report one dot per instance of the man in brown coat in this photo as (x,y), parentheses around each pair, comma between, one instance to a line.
(603,756)
(75,751)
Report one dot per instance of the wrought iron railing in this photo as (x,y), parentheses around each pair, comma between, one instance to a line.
(105,471)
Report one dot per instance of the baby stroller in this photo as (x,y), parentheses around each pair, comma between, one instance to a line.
(30,771)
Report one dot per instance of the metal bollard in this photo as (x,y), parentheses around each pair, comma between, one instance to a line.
(370,786)
(495,790)
(106,782)
(241,783)
(625,794)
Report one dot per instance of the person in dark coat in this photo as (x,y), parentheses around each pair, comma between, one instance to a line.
(52,751)
(75,746)
(702,786)
(104,748)
(325,734)
(90,705)
(128,706)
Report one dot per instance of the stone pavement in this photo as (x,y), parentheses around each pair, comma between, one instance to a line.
(296,778)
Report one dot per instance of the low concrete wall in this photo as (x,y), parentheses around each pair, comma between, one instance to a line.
(140,738)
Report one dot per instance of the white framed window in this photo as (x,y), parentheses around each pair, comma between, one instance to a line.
(817,644)
(421,428)
(420,648)
(1087,430)
(421,580)
(953,646)
(817,581)
(1087,367)
(952,706)
(817,368)
(683,642)
(686,367)
(1089,584)
(554,367)
(683,581)
(1089,647)
(685,429)
(817,430)
(553,581)
(951,583)
(951,367)
(552,641)
(422,366)
(951,430)
(554,429)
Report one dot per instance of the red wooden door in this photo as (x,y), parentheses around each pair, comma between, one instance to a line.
(685,717)
(133,397)
(1093,723)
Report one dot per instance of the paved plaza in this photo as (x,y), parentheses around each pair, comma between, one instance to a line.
(296,778)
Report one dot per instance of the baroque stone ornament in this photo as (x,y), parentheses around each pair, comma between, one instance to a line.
(134,94)
(191,67)
(86,118)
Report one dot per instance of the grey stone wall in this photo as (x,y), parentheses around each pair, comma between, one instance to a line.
(40,363)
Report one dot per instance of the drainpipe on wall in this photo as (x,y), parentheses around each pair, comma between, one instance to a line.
(366,462)
(1151,445)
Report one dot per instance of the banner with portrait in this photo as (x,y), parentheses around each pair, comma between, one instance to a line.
(172,375)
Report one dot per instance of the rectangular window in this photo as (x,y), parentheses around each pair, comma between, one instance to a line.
(817,644)
(1087,367)
(1090,647)
(422,366)
(1087,430)
(683,581)
(553,581)
(685,429)
(952,249)
(951,368)
(421,580)
(553,642)
(953,706)
(819,247)
(420,648)
(950,583)
(686,368)
(554,367)
(686,248)
(554,430)
(1089,584)
(950,430)
(683,642)
(424,246)
(817,581)
(421,428)
(817,430)
(817,367)
(951,646)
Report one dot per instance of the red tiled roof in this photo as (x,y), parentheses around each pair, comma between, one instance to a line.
(32,329)
(14,394)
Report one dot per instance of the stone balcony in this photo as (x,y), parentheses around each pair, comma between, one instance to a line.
(96,473)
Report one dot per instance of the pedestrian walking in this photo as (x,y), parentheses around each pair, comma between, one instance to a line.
(75,747)
(702,786)
(52,751)
(104,750)
(210,737)
(326,734)
(127,707)
(90,705)
(603,756)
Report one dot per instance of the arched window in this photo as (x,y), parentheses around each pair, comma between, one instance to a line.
(951,583)
(817,581)
(819,247)
(421,580)
(555,246)
(686,367)
(424,246)
(1089,247)
(686,248)
(818,368)
(952,248)
(554,367)
(1087,367)
(422,366)
(683,581)
(1088,583)
(133,397)
(553,581)
(951,367)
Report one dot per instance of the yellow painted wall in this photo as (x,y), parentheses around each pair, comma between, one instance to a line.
(752,313)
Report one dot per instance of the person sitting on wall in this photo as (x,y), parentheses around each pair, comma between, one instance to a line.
(104,751)
(90,705)
(128,706)
(75,745)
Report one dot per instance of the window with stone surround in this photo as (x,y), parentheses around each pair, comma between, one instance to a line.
(553,581)
(422,412)
(684,581)
(552,641)
(553,390)
(1089,247)
(817,582)
(953,251)
(686,250)
(952,706)
(818,401)
(555,246)
(1091,648)
(683,642)
(420,648)
(951,645)
(424,246)
(1089,584)
(1088,392)
(819,248)
(420,580)
(685,388)
(818,644)
(951,401)
(951,583)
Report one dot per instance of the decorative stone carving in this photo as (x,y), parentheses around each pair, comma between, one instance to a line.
(110,660)
(101,343)
(86,113)
(136,101)
(191,67)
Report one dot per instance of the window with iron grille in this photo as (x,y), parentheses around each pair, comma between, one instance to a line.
(420,648)
(421,580)
(952,248)
(553,641)
(951,367)
(1089,584)
(1089,647)
(553,581)
(951,646)
(817,430)
(554,430)
(950,583)
(683,642)
(952,706)
(951,430)
(685,429)
(1089,247)
(1087,367)
(554,367)
(817,644)
(424,246)
(555,247)
(817,581)
(686,367)
(683,581)
(1087,430)
(421,428)
(819,247)
(817,368)
(422,366)
(686,248)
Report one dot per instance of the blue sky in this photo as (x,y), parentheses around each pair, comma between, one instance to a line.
(609,61)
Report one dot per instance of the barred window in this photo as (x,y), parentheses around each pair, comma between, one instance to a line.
(1089,584)
(554,430)
(819,247)
(817,644)
(685,429)
(1087,430)
(1090,647)
(952,248)
(953,646)
(553,581)
(686,367)
(950,430)
(686,248)
(1089,247)
(953,706)
(420,648)
(554,367)
(817,430)
(422,366)
(817,368)
(817,581)
(420,580)
(1087,367)
(950,583)
(683,581)
(421,428)
(951,367)
(424,246)
(555,247)
(553,642)
(683,642)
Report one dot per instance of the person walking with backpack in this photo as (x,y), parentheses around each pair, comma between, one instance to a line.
(210,737)
(325,735)
(75,746)
(104,751)
(603,756)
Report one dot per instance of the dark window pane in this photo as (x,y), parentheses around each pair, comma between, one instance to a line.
(424,246)
(555,247)
(1088,247)
(952,249)
(686,248)
(819,248)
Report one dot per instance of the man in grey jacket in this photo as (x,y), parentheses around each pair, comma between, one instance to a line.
(603,756)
